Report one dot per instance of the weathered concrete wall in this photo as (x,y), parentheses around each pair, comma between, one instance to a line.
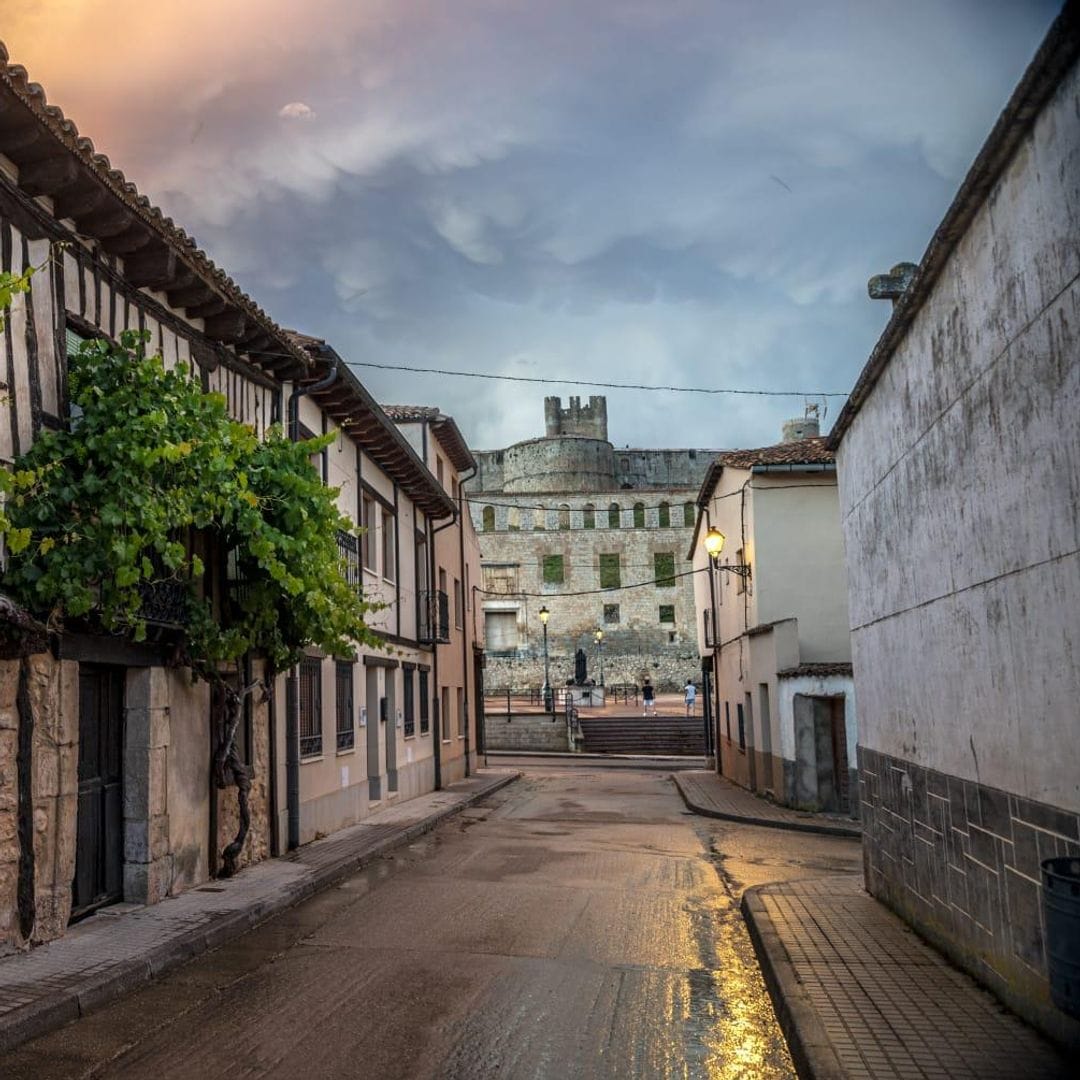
(960,481)
(526,732)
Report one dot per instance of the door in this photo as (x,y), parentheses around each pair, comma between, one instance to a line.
(99,845)
(840,756)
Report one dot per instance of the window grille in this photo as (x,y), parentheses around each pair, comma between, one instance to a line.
(553,570)
(349,554)
(410,701)
(611,613)
(425,704)
(667,613)
(665,516)
(664,569)
(346,731)
(639,515)
(613,516)
(310,706)
(610,575)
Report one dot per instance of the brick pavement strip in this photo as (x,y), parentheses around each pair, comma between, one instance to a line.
(859,994)
(124,946)
(706,793)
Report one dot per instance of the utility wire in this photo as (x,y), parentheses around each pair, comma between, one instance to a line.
(602,385)
(594,592)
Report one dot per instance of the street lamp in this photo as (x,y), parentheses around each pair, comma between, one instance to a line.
(599,635)
(714,544)
(548,704)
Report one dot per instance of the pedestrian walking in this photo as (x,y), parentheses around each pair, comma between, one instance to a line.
(690,696)
(648,697)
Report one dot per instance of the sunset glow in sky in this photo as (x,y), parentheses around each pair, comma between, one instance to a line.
(687,191)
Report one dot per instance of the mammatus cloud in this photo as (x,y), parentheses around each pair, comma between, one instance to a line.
(693,192)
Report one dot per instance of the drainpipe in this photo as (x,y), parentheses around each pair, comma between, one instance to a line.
(292,712)
(436,730)
(464,598)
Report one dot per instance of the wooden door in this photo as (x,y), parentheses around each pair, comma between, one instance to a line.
(99,846)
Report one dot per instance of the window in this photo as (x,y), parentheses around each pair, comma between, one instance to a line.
(588,516)
(349,554)
(368,540)
(439,469)
(667,613)
(665,516)
(445,714)
(489,519)
(727,719)
(389,562)
(310,706)
(538,519)
(74,343)
(457,603)
(639,515)
(500,631)
(461,712)
(564,517)
(688,515)
(613,516)
(664,569)
(610,577)
(410,701)
(425,704)
(453,489)
(611,614)
(468,591)
(513,519)
(742,726)
(553,570)
(344,704)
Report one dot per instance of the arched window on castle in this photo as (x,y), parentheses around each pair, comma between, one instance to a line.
(613,515)
(564,516)
(665,516)
(588,516)
(489,519)
(688,515)
(513,519)
(639,515)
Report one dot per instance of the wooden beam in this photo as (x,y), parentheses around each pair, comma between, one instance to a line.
(153,268)
(125,243)
(48,175)
(107,222)
(228,326)
(209,308)
(79,200)
(20,136)
(191,294)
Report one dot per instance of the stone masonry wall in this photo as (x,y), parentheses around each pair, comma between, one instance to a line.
(9,802)
(525,732)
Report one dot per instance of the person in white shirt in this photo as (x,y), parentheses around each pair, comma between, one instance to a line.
(690,695)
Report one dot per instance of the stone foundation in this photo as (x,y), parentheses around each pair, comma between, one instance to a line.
(668,673)
(526,732)
(960,861)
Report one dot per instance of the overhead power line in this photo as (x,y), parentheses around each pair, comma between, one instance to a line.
(601,385)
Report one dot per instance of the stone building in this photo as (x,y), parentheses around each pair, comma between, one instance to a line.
(598,536)
(958,455)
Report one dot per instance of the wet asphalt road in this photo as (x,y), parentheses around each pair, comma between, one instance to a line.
(579,923)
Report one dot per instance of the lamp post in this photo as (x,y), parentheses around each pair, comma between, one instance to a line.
(548,704)
(599,635)
(714,544)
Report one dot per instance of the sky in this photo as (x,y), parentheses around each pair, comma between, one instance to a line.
(676,192)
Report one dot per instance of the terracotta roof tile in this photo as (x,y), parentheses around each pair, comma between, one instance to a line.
(802,452)
(815,669)
(412,412)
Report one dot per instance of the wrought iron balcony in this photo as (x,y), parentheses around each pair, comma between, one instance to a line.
(434,618)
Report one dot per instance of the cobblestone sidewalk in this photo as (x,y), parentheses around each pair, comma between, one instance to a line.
(706,793)
(125,945)
(859,994)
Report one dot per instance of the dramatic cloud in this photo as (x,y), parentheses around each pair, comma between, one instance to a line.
(691,192)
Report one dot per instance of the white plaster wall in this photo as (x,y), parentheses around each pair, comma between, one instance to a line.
(960,483)
(815,686)
(798,561)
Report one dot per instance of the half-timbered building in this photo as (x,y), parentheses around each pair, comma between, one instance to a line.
(106,792)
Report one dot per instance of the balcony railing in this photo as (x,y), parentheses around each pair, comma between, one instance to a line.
(434,626)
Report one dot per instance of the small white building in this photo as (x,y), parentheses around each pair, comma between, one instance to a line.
(772,622)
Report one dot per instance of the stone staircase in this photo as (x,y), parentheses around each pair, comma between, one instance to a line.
(643,735)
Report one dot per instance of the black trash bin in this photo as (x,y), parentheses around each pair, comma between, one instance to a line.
(1061,908)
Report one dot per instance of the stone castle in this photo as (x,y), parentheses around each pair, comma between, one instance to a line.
(598,536)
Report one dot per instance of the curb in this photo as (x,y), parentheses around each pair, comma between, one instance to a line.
(47,1014)
(814,1056)
(821,828)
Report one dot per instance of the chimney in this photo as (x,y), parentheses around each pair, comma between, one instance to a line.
(805,427)
(893,285)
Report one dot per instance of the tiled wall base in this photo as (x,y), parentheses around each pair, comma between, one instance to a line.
(960,862)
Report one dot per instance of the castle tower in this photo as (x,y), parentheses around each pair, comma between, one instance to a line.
(589,420)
